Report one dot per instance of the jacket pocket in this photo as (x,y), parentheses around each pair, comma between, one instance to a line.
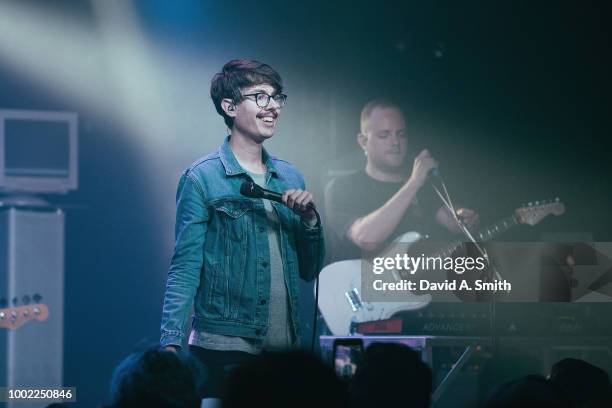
(235,217)
(232,278)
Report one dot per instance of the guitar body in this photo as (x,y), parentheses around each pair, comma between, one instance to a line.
(340,288)
(340,300)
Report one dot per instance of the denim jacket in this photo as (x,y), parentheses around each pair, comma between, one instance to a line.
(221,257)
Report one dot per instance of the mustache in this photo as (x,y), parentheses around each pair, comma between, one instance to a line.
(271,113)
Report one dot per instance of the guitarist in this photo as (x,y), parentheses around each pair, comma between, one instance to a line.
(367,209)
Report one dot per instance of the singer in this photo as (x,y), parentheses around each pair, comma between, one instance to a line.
(237,259)
(367,209)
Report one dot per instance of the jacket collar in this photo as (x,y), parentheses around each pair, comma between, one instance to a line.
(231,165)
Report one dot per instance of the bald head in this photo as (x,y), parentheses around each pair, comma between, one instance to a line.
(383,136)
(372,107)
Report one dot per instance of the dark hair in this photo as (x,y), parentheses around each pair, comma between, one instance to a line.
(391,375)
(503,368)
(236,75)
(579,380)
(528,392)
(157,378)
(277,379)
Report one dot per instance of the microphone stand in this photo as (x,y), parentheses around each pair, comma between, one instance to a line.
(494,275)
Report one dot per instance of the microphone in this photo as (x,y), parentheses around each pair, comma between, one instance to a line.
(252,190)
(433,173)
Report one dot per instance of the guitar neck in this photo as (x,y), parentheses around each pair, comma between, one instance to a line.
(498,228)
(484,234)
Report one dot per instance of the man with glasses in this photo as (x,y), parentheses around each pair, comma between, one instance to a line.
(237,260)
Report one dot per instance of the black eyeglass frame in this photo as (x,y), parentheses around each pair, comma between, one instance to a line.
(281,103)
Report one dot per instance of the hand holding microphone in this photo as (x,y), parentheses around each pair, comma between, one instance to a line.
(300,201)
(424,165)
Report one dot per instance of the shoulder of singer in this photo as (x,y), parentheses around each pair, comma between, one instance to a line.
(209,168)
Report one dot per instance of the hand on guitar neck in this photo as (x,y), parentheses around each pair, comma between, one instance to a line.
(468,217)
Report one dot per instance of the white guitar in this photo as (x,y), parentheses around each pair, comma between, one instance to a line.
(340,301)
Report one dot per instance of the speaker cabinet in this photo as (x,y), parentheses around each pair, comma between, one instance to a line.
(32,265)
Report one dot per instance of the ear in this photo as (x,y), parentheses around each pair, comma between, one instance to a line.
(362,140)
(228,107)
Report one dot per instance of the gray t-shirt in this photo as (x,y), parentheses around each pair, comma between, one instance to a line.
(280,333)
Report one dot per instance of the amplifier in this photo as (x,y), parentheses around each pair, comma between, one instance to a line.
(512,319)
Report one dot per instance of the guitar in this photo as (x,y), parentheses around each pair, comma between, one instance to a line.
(14,317)
(341,304)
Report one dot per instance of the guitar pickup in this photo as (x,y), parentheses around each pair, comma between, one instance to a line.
(354,299)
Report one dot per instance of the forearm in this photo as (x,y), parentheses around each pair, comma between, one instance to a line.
(370,231)
(181,287)
(445,218)
(187,260)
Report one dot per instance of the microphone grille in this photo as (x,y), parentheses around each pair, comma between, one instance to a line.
(250,189)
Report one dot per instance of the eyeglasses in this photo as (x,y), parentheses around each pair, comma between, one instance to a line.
(262,99)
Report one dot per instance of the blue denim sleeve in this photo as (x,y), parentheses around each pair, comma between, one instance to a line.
(186,264)
(310,249)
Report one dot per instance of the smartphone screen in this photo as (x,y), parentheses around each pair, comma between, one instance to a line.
(347,356)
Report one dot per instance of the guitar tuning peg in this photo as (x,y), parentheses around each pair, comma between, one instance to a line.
(557,199)
(537,203)
(25,300)
(530,204)
(3,303)
(37,298)
(15,301)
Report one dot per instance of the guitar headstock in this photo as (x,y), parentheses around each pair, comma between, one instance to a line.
(14,317)
(534,212)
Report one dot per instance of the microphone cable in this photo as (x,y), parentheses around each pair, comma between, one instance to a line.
(316,299)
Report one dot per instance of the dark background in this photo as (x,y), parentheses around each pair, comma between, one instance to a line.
(513,98)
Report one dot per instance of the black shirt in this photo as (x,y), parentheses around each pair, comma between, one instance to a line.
(353,196)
